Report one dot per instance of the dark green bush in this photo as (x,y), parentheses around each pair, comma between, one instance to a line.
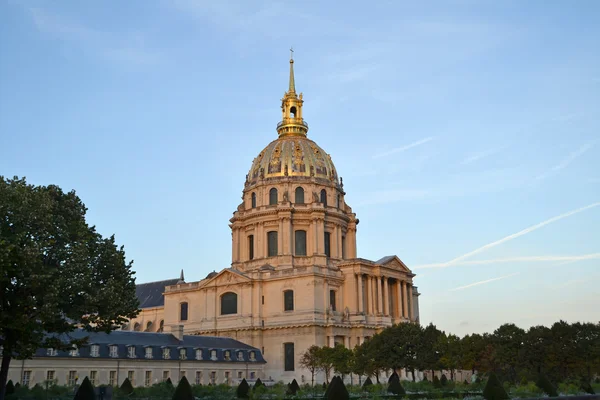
(436,382)
(368,382)
(183,390)
(444,380)
(425,379)
(494,390)
(544,383)
(324,385)
(169,382)
(394,385)
(10,388)
(293,387)
(587,387)
(126,387)
(258,384)
(242,389)
(85,391)
(337,390)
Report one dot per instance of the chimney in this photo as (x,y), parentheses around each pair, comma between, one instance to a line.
(177,331)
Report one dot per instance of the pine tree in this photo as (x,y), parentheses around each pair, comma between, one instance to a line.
(243,389)
(368,382)
(494,390)
(547,386)
(85,391)
(183,390)
(394,385)
(293,387)
(258,384)
(10,388)
(127,387)
(444,380)
(337,390)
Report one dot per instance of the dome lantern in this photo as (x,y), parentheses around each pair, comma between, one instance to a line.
(292,123)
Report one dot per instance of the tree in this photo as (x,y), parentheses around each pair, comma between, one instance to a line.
(183,390)
(394,385)
(85,391)
(341,358)
(337,390)
(508,341)
(127,387)
(326,356)
(544,383)
(58,273)
(243,389)
(310,361)
(494,390)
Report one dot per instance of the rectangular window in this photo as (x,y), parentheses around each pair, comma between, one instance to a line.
(26,378)
(50,375)
(94,377)
(227,377)
(182,354)
(148,352)
(263,300)
(198,354)
(148,378)
(95,350)
(112,378)
(166,353)
(272,243)
(198,377)
(332,299)
(227,355)
(165,375)
(183,314)
(251,247)
(131,352)
(72,378)
(114,351)
(253,356)
(213,377)
(300,243)
(51,352)
(288,350)
(74,352)
(240,374)
(288,300)
(213,355)
(131,377)
(328,244)
(344,247)
(252,375)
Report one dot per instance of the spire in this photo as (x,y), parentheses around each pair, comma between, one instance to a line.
(181,278)
(292,88)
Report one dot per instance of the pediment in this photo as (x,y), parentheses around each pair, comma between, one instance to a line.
(226,277)
(394,262)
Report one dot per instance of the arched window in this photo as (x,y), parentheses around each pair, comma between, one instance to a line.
(161,326)
(273,197)
(293,112)
(324,197)
(299,198)
(288,300)
(149,326)
(332,299)
(339,201)
(137,327)
(272,243)
(250,247)
(253,200)
(183,311)
(228,303)
(328,244)
(300,243)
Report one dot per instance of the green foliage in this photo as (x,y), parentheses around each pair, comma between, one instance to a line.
(242,390)
(436,382)
(293,387)
(494,390)
(394,385)
(58,273)
(368,382)
(587,387)
(337,390)
(311,361)
(183,390)
(544,383)
(258,384)
(85,391)
(444,380)
(168,382)
(10,388)
(126,387)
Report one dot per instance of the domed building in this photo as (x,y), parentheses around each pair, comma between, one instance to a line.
(295,279)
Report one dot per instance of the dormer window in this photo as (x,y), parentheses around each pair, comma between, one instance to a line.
(227,355)
(131,351)
(198,354)
(148,352)
(95,350)
(51,352)
(113,351)
(213,355)
(74,352)
(182,354)
(166,354)
(240,356)
(252,356)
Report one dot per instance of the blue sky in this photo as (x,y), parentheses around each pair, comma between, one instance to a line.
(456,126)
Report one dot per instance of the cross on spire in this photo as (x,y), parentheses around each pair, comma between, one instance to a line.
(291,53)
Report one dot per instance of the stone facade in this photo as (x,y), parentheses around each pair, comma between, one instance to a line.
(295,278)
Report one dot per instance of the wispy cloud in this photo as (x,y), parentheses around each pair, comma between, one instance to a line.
(479,155)
(483,282)
(525,231)
(403,148)
(126,48)
(567,160)
(561,259)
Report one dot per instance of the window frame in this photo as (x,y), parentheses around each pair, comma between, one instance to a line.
(131,352)
(288,300)
(273,196)
(184,311)
(289,362)
(300,233)
(253,200)
(250,242)
(333,296)
(221,299)
(272,252)
(327,244)
(299,190)
(148,353)
(323,197)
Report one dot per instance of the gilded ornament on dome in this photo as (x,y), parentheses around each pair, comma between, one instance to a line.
(315,148)
(298,164)
(275,163)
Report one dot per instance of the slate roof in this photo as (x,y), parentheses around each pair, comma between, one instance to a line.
(385,259)
(151,294)
(158,342)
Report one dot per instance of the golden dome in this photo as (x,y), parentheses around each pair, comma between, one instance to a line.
(292,156)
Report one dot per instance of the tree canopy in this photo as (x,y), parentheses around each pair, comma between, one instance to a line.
(57,272)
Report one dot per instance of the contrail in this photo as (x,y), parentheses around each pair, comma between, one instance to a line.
(562,259)
(483,282)
(403,148)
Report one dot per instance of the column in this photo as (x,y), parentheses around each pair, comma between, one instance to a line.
(386,297)
(372,294)
(360,292)
(410,301)
(331,341)
(315,237)
(379,295)
(326,296)
(280,238)
(369,295)
(259,241)
(398,299)
(404,302)
(347,342)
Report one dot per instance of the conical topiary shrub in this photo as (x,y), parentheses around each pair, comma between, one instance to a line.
(183,390)
(328,387)
(586,387)
(444,380)
(395,387)
(293,387)
(494,390)
(393,376)
(10,388)
(436,382)
(126,387)
(368,382)
(242,389)
(337,390)
(85,391)
(168,382)
(258,384)
(324,385)
(425,379)
(544,383)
